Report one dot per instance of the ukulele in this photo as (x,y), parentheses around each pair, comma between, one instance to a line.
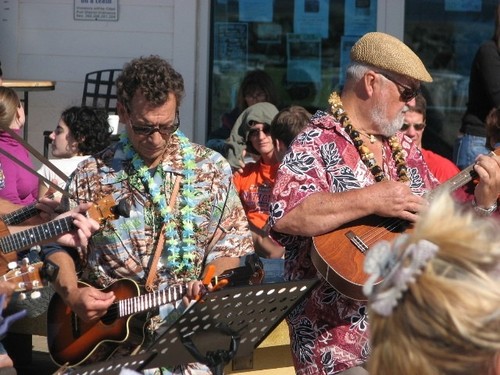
(101,211)
(71,341)
(339,255)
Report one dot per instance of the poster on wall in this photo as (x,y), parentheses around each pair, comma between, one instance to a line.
(311,17)
(360,17)
(256,10)
(231,44)
(95,10)
(303,58)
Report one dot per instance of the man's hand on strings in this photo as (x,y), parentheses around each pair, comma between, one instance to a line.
(488,188)
(85,227)
(195,290)
(90,303)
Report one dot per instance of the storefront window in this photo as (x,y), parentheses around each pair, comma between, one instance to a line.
(303,45)
(446,35)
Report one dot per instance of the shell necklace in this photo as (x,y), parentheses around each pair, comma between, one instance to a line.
(366,155)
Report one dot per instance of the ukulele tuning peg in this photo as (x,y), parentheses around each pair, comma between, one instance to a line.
(22,296)
(121,209)
(12,265)
(25,261)
(36,294)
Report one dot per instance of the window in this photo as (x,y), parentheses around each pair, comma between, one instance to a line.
(302,44)
(446,35)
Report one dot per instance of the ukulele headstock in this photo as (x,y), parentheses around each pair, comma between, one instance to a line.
(106,209)
(27,277)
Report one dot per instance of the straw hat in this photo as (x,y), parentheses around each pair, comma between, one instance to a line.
(389,53)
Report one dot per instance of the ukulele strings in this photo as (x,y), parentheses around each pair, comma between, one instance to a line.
(379,231)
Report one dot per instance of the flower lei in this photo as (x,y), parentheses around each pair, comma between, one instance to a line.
(180,252)
(365,153)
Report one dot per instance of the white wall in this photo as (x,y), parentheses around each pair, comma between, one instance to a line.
(40,40)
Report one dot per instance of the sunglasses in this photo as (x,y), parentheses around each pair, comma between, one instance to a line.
(406,93)
(163,130)
(417,127)
(255,132)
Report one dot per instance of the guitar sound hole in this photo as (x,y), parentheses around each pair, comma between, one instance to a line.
(111,315)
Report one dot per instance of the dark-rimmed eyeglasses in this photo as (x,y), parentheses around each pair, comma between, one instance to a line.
(257,95)
(417,127)
(406,93)
(266,129)
(163,130)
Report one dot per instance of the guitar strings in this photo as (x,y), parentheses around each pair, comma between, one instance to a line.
(378,232)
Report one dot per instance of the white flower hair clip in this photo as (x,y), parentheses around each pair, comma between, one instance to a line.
(398,265)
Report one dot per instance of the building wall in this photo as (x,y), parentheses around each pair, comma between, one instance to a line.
(40,40)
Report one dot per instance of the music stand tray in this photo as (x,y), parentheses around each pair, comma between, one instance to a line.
(224,324)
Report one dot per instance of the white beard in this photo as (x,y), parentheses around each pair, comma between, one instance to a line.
(386,127)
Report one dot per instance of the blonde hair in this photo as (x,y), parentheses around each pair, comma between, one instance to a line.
(448,321)
(9,102)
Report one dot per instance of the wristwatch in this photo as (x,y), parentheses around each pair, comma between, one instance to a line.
(484,211)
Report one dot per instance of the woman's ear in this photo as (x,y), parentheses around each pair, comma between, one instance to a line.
(20,117)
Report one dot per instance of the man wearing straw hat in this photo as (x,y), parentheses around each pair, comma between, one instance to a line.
(348,164)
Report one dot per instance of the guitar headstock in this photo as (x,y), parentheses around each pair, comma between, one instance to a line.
(27,278)
(251,273)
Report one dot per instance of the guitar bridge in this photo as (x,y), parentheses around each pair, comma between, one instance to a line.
(356,241)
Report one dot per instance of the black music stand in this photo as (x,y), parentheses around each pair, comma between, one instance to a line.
(231,321)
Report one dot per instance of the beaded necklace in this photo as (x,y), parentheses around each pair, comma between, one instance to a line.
(371,137)
(366,155)
(180,253)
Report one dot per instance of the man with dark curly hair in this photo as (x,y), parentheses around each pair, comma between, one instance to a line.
(185,216)
(80,133)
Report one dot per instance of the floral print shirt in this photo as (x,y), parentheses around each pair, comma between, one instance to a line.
(124,246)
(329,332)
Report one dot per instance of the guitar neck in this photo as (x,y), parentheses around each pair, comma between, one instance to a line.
(148,301)
(462,178)
(456,182)
(20,215)
(29,237)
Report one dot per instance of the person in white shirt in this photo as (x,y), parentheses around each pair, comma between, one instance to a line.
(80,133)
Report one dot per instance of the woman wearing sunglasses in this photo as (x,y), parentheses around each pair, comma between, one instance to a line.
(254,182)
(414,126)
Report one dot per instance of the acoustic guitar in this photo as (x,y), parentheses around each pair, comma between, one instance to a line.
(339,255)
(101,211)
(72,341)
